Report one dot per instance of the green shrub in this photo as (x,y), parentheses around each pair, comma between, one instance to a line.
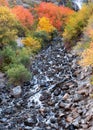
(23,56)
(21,30)
(43,36)
(18,74)
(10,56)
(13,44)
(7,55)
(14,62)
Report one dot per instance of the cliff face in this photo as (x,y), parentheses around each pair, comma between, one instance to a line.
(24,3)
(20,2)
(75,4)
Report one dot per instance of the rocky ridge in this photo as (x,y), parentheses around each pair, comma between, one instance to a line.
(57,97)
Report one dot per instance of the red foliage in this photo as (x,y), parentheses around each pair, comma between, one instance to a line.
(23,15)
(3,3)
(58,15)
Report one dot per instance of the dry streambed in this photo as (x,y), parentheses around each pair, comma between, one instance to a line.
(57,97)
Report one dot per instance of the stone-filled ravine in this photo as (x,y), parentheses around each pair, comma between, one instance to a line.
(56,98)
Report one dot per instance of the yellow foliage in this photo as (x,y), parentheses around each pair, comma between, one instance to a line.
(76,23)
(8,25)
(89,29)
(45,25)
(33,43)
(87,56)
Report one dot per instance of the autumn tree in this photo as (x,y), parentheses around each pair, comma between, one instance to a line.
(57,15)
(87,54)
(8,25)
(23,15)
(32,43)
(45,25)
(76,24)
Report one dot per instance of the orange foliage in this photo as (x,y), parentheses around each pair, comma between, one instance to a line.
(57,15)
(23,15)
(3,3)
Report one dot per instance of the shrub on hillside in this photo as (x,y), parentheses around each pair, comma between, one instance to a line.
(88,32)
(13,44)
(23,15)
(18,74)
(7,55)
(76,24)
(15,63)
(87,37)
(12,56)
(21,30)
(23,57)
(33,43)
(58,16)
(87,56)
(8,25)
(45,25)
(43,36)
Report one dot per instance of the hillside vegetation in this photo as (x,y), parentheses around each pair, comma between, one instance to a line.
(46,67)
(37,25)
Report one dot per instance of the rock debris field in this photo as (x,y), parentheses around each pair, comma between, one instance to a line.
(56,98)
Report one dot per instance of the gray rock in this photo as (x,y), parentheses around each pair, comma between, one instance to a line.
(17,91)
(62,105)
(3,120)
(91,128)
(37,128)
(77,97)
(1,100)
(30,121)
(1,75)
(2,84)
(76,123)
(53,120)
(57,92)
(71,127)
(45,95)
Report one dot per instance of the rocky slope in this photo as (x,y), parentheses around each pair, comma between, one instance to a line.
(27,3)
(57,97)
(37,1)
(75,4)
